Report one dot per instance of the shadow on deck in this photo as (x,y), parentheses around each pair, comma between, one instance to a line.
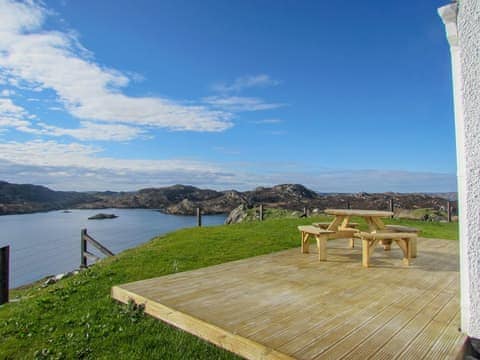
(288,305)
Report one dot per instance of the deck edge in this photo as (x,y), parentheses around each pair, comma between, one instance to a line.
(222,338)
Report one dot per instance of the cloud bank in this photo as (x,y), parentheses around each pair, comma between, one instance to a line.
(77,166)
(38,59)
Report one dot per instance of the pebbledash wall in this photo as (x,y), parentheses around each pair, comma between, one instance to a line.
(462,24)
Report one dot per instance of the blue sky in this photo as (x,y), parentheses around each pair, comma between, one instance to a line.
(340,96)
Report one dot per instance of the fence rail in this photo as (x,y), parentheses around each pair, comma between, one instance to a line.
(86,255)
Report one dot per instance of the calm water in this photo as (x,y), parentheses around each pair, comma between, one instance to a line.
(43,244)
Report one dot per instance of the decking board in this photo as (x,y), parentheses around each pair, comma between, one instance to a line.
(288,305)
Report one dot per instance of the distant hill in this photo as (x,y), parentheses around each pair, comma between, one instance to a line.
(183,199)
(452,196)
(26,198)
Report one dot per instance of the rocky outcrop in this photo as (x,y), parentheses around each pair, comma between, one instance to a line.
(237,215)
(102,216)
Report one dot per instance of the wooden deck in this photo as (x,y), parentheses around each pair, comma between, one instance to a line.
(289,305)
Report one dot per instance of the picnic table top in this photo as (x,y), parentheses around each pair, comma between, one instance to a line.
(358,212)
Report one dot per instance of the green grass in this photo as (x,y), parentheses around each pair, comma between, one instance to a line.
(76,318)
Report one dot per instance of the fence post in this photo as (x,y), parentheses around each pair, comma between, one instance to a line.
(4,273)
(83,248)
(199,217)
(449,211)
(391,206)
(304,211)
(261,212)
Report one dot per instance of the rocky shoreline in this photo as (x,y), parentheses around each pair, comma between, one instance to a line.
(184,200)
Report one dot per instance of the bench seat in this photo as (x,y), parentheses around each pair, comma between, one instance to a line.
(401,228)
(321,236)
(324,225)
(407,241)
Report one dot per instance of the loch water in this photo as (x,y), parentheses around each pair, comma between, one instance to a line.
(48,243)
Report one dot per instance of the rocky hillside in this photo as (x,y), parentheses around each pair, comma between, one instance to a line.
(25,198)
(183,200)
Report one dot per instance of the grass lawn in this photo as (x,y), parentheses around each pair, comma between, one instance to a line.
(76,318)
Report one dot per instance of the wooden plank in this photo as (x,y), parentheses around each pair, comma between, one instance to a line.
(391,334)
(378,223)
(400,228)
(313,230)
(449,344)
(214,334)
(423,343)
(99,246)
(91,256)
(337,346)
(358,212)
(289,303)
(336,223)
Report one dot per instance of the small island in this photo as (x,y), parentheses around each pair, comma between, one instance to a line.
(102,216)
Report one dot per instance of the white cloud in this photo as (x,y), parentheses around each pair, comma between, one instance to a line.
(56,60)
(240,103)
(14,116)
(55,154)
(7,92)
(12,122)
(80,167)
(246,82)
(8,108)
(90,131)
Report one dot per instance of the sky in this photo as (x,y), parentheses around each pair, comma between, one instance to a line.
(341,96)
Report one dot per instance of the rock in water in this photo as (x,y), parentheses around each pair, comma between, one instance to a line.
(237,215)
(102,216)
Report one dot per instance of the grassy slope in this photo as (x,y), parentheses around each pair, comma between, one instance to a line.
(76,317)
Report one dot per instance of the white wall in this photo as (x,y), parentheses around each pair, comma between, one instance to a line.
(463,33)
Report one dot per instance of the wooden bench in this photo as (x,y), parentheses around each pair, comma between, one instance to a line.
(321,236)
(406,229)
(324,225)
(405,240)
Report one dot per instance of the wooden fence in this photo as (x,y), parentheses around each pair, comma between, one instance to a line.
(86,255)
(390,205)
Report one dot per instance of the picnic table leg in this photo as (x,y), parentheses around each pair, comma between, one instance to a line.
(371,225)
(365,253)
(378,223)
(305,243)
(405,245)
(336,223)
(368,247)
(345,221)
(322,248)
(413,244)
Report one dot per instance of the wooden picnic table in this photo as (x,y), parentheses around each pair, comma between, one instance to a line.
(372,217)
(377,231)
(340,227)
